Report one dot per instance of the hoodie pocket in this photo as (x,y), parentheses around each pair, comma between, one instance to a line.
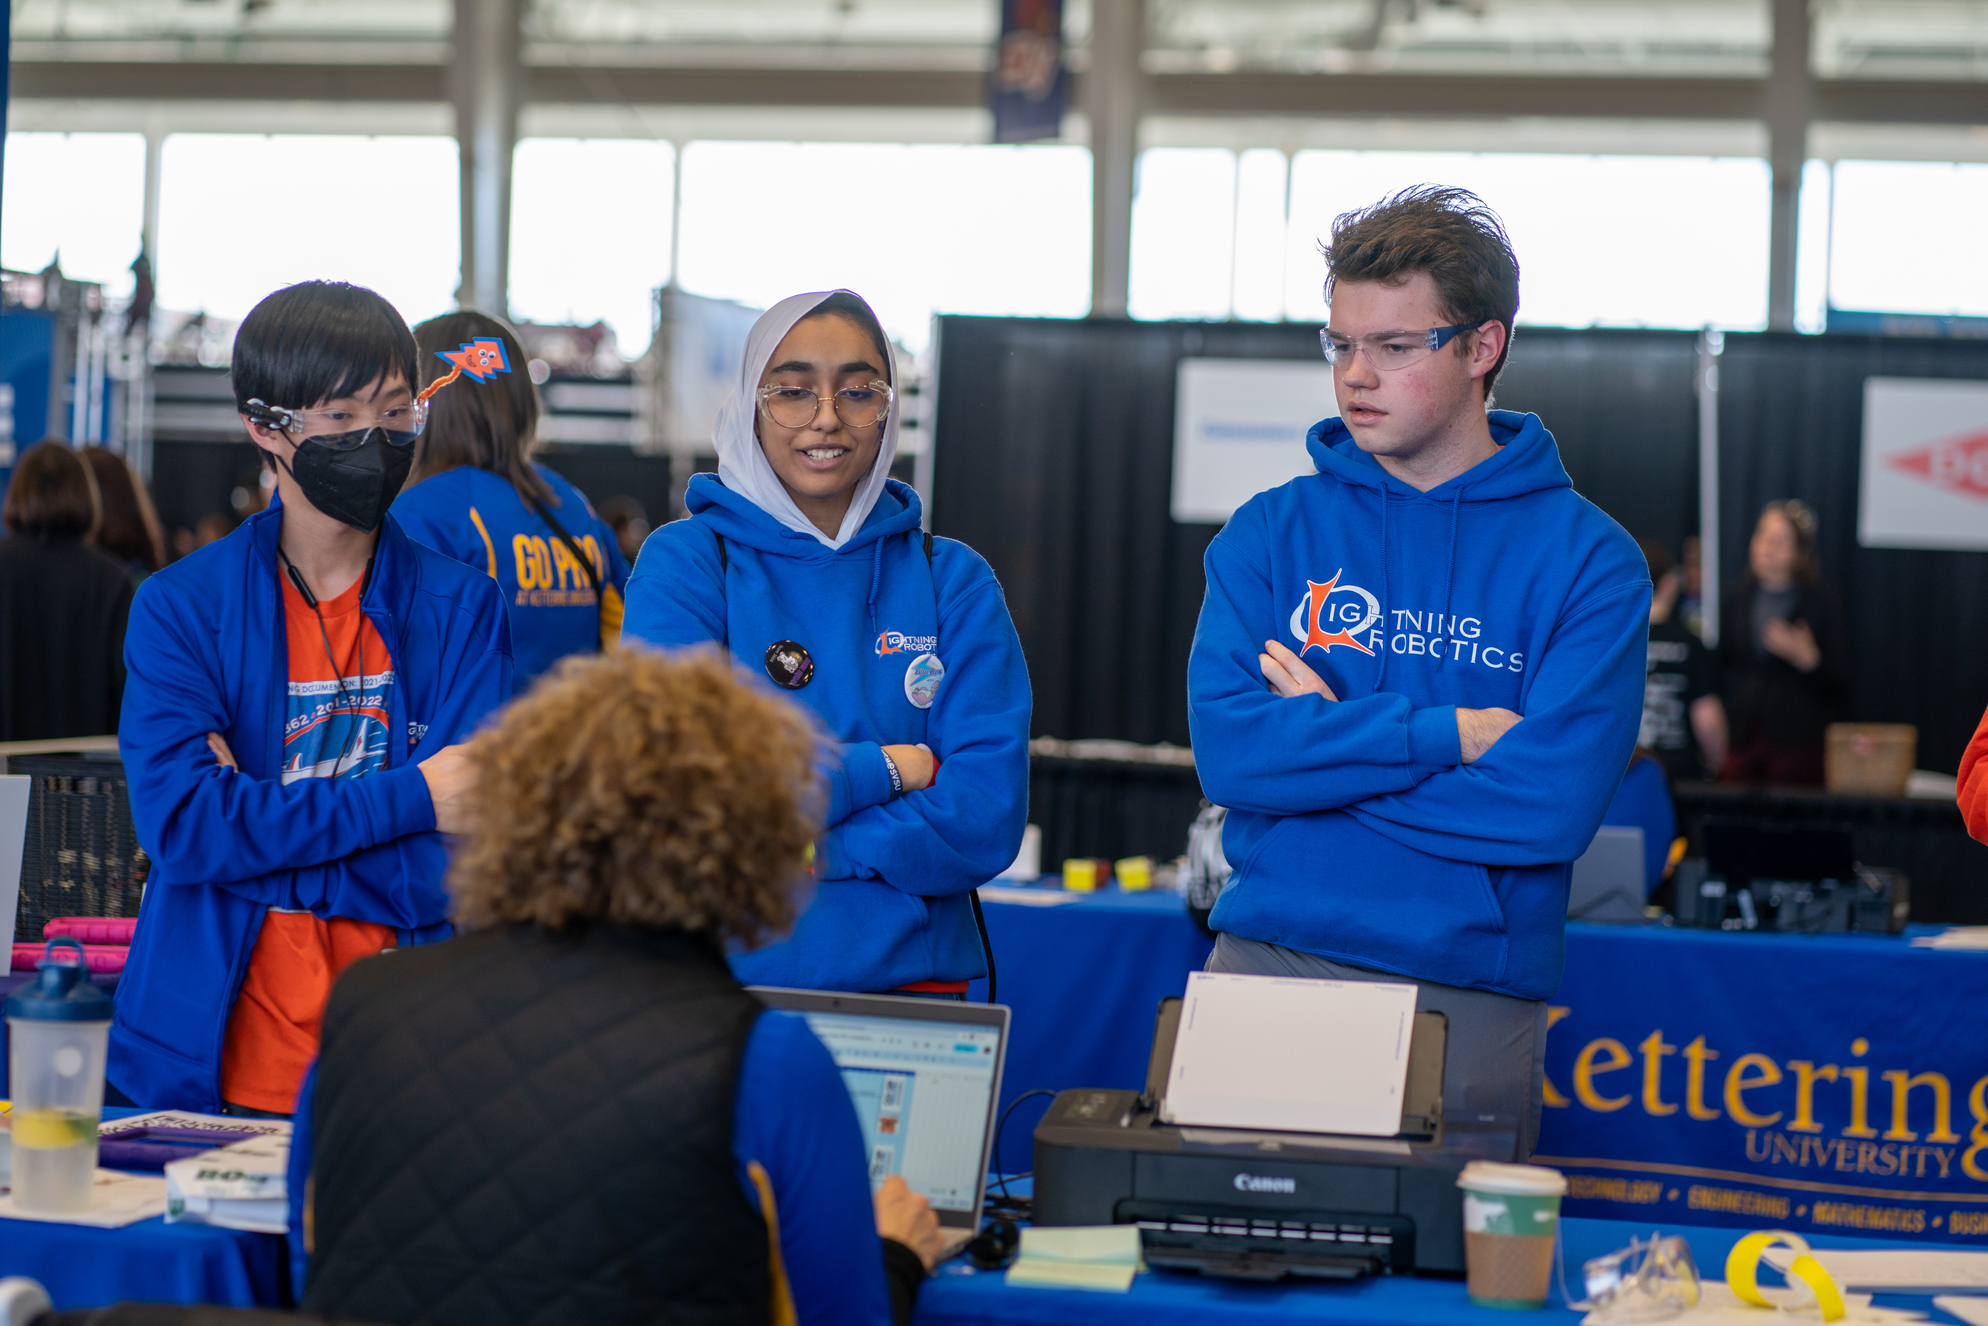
(1327,884)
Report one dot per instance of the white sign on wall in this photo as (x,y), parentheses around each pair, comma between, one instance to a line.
(1925,465)
(1239,429)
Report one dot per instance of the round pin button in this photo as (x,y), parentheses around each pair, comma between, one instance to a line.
(789,664)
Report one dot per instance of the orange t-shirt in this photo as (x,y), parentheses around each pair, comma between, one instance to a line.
(1974,782)
(335,726)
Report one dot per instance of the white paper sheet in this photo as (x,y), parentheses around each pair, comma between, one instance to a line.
(1969,1308)
(1289,1054)
(116,1200)
(1907,1268)
(1027,897)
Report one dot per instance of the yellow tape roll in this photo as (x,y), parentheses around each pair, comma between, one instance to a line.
(1743,1268)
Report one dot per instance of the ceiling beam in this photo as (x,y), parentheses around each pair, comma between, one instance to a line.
(1337,96)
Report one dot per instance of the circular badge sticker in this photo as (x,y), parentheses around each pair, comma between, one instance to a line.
(922,678)
(789,664)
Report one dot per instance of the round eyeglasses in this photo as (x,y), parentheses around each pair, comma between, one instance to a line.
(1387,351)
(856,407)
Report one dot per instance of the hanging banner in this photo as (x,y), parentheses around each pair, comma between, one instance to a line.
(1820,1083)
(1925,464)
(1239,429)
(1030,85)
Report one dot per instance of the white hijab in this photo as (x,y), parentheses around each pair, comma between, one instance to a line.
(743,467)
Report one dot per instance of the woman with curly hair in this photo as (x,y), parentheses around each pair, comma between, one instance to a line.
(573,1112)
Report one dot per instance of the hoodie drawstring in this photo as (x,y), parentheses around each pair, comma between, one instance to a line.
(876,579)
(1449,575)
(1380,682)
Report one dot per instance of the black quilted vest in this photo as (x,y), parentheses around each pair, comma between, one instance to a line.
(521,1127)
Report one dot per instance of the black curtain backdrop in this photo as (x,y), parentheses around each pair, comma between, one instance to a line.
(1055,460)
(1055,455)
(1791,419)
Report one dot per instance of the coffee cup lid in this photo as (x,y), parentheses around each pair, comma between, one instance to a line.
(1512,1180)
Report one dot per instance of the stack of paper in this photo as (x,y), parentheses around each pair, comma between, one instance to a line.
(1290,1054)
(1966,938)
(1079,1257)
(241,1186)
(116,1200)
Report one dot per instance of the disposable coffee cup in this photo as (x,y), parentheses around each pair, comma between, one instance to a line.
(1510,1215)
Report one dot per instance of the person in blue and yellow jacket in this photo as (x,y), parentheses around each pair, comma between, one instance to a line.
(476,494)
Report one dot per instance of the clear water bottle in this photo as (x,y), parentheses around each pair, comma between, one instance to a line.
(59,1028)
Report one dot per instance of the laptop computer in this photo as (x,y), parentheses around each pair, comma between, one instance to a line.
(925,1077)
(1608,881)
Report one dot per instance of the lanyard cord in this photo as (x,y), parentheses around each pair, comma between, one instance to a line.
(337,671)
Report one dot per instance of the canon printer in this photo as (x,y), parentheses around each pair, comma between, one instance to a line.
(1264,1205)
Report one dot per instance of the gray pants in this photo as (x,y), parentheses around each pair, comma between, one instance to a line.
(1497,1051)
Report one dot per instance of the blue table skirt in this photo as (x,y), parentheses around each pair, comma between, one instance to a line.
(150,1261)
(961,1296)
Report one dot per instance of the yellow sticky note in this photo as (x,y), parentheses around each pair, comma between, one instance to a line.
(1071,1275)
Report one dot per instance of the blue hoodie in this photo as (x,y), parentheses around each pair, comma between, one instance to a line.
(1356,831)
(207,652)
(892,874)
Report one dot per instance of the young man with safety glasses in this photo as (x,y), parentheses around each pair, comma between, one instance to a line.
(290,728)
(1418,673)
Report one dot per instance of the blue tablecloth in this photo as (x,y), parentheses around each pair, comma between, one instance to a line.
(1735,1018)
(150,1261)
(961,1296)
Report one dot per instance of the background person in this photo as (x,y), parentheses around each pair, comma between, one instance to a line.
(63,604)
(289,729)
(630,816)
(130,529)
(807,560)
(1784,654)
(1684,723)
(625,515)
(1417,674)
(476,494)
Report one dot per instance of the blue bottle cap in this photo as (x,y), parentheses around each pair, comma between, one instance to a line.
(62,992)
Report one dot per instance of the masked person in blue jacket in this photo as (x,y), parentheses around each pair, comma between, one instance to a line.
(808,562)
(476,494)
(290,729)
(1418,673)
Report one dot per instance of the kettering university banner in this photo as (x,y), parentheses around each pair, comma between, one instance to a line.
(1835,1084)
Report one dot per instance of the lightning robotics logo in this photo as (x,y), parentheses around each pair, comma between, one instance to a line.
(1314,610)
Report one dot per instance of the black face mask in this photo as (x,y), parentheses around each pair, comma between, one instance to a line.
(353,477)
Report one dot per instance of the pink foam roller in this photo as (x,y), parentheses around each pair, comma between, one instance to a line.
(92,929)
(103,959)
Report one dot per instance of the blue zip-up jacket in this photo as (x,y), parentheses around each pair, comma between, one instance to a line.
(1356,831)
(478,518)
(207,652)
(892,874)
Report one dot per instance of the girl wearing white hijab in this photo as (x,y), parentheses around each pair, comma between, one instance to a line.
(808,562)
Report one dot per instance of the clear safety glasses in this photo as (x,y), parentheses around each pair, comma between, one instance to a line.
(1647,1281)
(1387,351)
(856,407)
(345,430)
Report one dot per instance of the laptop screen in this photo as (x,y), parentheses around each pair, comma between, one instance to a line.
(923,1091)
